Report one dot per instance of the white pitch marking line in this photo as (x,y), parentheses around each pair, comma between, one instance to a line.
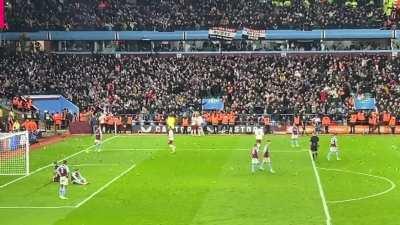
(95,164)
(44,167)
(105,186)
(38,207)
(206,149)
(392,185)
(321,192)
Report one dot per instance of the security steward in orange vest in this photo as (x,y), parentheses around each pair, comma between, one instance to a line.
(326,121)
(267,123)
(385,118)
(361,117)
(225,122)
(372,122)
(185,124)
(296,120)
(392,124)
(352,122)
(232,119)
(215,121)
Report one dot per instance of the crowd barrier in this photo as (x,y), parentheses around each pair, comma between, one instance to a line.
(249,129)
(329,34)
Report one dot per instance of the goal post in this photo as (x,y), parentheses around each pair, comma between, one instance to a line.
(14,153)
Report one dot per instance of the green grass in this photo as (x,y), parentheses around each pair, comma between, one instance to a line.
(208,182)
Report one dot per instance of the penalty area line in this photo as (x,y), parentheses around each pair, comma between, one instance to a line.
(105,186)
(321,191)
(49,165)
(38,207)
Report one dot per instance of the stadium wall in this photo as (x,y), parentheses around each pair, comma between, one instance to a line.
(249,129)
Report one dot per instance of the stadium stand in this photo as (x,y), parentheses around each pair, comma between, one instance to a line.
(194,14)
(132,84)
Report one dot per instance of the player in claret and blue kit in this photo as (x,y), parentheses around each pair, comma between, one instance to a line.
(267,157)
(333,150)
(63,173)
(255,162)
(98,137)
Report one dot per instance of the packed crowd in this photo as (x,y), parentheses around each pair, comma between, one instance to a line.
(170,15)
(246,84)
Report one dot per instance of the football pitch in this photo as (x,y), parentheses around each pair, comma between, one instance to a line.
(135,180)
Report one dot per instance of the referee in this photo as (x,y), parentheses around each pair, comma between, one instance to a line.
(314,145)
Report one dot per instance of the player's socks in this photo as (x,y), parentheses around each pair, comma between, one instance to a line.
(315,155)
(173,149)
(270,168)
(253,167)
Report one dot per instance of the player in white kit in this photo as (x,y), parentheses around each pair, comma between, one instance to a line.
(295,136)
(171,140)
(333,149)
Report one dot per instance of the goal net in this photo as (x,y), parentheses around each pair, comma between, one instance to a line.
(14,153)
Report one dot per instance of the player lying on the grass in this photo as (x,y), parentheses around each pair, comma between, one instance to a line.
(63,173)
(333,150)
(314,144)
(267,157)
(98,138)
(259,133)
(171,140)
(255,163)
(295,136)
(77,178)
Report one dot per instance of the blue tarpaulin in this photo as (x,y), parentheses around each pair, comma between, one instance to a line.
(212,104)
(365,103)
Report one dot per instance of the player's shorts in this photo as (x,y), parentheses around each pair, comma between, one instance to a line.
(64,181)
(258,141)
(314,148)
(295,136)
(267,159)
(170,142)
(333,149)
(56,178)
(254,160)
(97,141)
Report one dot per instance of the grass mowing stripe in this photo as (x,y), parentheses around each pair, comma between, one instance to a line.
(321,191)
(49,165)
(105,186)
